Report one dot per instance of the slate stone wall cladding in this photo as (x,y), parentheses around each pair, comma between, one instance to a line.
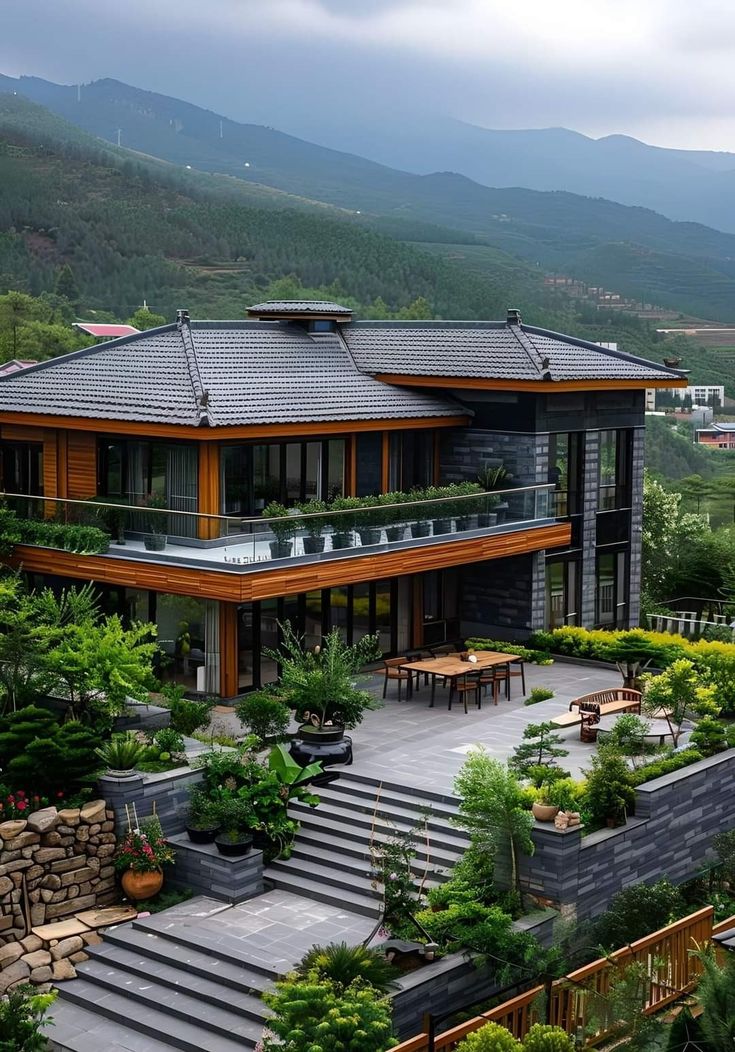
(170,791)
(670,836)
(590,498)
(463,453)
(52,864)
(203,869)
(454,981)
(502,596)
(636,526)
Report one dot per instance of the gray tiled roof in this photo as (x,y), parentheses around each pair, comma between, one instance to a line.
(223,373)
(299,307)
(489,351)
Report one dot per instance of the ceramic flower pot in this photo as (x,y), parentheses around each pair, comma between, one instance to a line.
(544,812)
(234,848)
(138,886)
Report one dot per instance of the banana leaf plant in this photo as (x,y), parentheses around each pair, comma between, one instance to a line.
(292,775)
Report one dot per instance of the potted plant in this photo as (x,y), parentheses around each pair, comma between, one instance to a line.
(543,809)
(156,537)
(344,524)
(202,823)
(140,857)
(282,527)
(441,511)
(314,525)
(320,685)
(421,525)
(235,818)
(464,510)
(369,521)
(120,754)
(393,515)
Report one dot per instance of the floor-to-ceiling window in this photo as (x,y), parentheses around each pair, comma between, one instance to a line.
(565,472)
(612,589)
(562,592)
(21,466)
(411,459)
(614,477)
(253,474)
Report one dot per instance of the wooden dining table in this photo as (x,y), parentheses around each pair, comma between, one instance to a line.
(452,667)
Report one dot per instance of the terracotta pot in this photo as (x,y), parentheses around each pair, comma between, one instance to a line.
(139,886)
(544,812)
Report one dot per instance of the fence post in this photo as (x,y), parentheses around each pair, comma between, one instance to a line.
(430,1031)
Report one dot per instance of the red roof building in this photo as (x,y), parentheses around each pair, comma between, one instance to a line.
(105,331)
(15,365)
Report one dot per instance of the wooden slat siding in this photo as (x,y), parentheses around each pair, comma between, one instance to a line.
(62,463)
(228,656)
(215,434)
(479,383)
(13,433)
(567,1006)
(286,580)
(81,465)
(50,471)
(209,491)
(385,462)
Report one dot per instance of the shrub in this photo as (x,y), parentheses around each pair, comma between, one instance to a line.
(490,1038)
(538,694)
(188,716)
(666,765)
(488,932)
(341,964)
(543,1038)
(122,752)
(609,793)
(538,657)
(264,715)
(22,1017)
(36,751)
(709,736)
(637,911)
(169,740)
(313,1014)
(541,747)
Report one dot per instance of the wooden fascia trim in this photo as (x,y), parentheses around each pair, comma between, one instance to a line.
(216,434)
(537,386)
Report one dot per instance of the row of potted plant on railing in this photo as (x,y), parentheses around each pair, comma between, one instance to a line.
(394,512)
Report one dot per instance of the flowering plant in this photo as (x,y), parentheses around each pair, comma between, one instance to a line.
(20,804)
(144,849)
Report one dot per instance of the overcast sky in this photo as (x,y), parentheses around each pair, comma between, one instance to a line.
(661,70)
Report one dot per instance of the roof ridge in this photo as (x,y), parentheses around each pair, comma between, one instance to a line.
(625,356)
(201,394)
(541,364)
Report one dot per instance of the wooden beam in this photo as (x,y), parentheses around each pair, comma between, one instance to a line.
(229,680)
(385,462)
(216,434)
(209,490)
(290,579)
(478,383)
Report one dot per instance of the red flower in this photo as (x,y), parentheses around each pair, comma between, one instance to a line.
(59,793)
(11,799)
(21,793)
(22,805)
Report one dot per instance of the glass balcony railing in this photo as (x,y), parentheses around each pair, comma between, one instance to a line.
(233,541)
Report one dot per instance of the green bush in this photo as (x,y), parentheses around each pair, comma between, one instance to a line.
(35,750)
(538,694)
(314,1014)
(543,1038)
(666,765)
(637,911)
(71,538)
(490,1038)
(709,736)
(169,740)
(264,714)
(609,793)
(488,932)
(22,1018)
(537,657)
(188,716)
(340,964)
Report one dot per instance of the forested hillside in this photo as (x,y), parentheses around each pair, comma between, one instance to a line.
(685,266)
(124,229)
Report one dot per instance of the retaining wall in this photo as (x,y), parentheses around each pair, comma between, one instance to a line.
(676,817)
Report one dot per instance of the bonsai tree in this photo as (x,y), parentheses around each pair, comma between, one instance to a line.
(609,794)
(492,809)
(540,747)
(320,684)
(632,652)
(677,695)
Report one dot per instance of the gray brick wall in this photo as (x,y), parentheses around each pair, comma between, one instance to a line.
(670,836)
(203,869)
(463,453)
(170,791)
(500,597)
(636,525)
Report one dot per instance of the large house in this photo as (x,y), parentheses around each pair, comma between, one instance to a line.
(220,418)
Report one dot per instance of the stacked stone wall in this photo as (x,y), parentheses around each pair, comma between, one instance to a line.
(53,864)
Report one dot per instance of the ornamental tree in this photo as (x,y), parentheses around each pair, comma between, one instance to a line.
(676,695)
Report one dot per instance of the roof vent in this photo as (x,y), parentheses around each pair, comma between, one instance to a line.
(182,318)
(514,316)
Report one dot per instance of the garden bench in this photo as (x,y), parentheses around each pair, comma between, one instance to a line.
(586,711)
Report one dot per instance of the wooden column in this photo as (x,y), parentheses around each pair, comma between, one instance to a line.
(228,672)
(351,466)
(50,471)
(209,489)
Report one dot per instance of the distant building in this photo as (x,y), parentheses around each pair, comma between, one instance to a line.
(105,332)
(701,394)
(720,435)
(15,365)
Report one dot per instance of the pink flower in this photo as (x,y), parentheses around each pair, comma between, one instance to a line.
(21,805)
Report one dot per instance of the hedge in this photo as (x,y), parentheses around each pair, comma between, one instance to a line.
(50,534)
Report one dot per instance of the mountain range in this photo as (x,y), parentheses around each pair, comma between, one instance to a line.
(695,185)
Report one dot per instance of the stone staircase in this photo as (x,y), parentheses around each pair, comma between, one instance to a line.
(178,980)
(331,859)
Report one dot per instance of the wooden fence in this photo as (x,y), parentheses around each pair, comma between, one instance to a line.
(573,1001)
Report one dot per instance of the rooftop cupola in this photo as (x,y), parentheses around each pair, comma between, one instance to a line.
(300,310)
(514,316)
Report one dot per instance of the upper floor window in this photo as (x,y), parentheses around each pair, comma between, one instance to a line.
(565,471)
(254,474)
(132,469)
(21,467)
(614,477)
(411,459)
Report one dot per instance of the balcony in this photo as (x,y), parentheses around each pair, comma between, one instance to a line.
(147,545)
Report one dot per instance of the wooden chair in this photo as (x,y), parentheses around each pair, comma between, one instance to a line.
(467,684)
(394,671)
(494,677)
(517,668)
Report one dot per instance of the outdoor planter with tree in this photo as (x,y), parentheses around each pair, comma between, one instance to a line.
(282,527)
(203,822)
(314,526)
(156,537)
(235,818)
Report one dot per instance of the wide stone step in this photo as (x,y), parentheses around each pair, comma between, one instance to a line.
(311,842)
(390,798)
(325,874)
(157,948)
(76,1029)
(176,977)
(349,776)
(338,860)
(181,1006)
(215,944)
(154,1019)
(364,904)
(354,825)
(402,816)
